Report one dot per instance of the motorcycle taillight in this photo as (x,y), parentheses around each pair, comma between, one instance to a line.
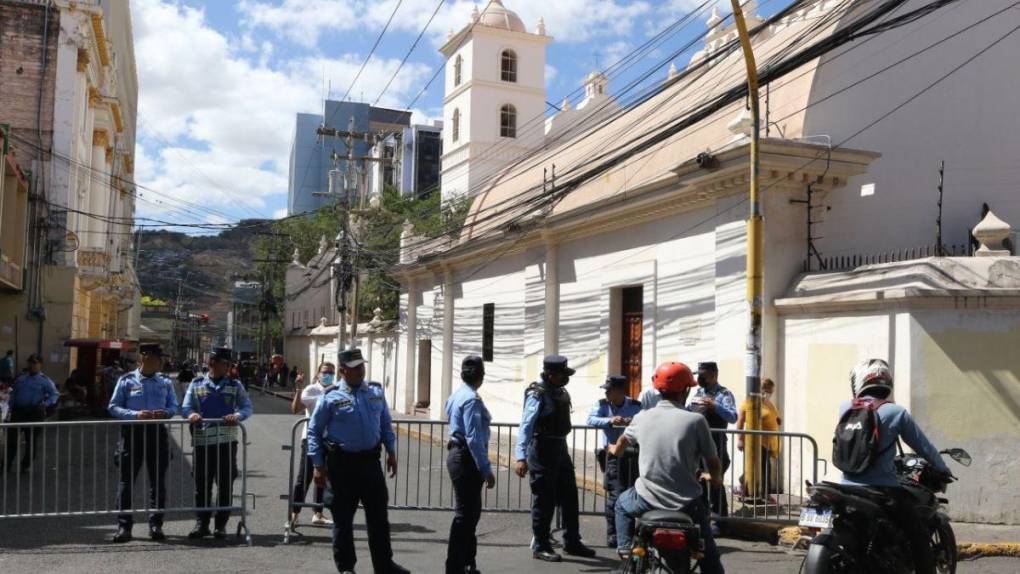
(669,539)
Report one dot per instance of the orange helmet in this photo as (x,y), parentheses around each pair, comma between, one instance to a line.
(673,378)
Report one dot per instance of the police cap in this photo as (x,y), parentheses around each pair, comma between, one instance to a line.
(222,355)
(708,367)
(557,364)
(151,349)
(351,358)
(615,382)
(472,366)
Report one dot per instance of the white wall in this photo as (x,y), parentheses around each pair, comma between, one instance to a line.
(969,120)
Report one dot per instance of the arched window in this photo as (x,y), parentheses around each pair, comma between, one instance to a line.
(457,65)
(508,66)
(455,132)
(508,121)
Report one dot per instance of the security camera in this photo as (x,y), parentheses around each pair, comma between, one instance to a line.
(706,160)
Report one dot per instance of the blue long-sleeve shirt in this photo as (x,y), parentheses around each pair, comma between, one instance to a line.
(893,421)
(603,412)
(725,404)
(215,400)
(356,419)
(469,417)
(33,390)
(534,405)
(136,392)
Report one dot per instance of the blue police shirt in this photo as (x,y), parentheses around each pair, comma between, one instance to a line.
(533,406)
(33,390)
(469,417)
(893,421)
(725,404)
(214,400)
(357,419)
(136,392)
(604,411)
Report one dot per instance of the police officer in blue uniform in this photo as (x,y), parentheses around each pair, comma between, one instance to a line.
(611,414)
(215,396)
(542,451)
(143,394)
(347,428)
(716,403)
(31,395)
(468,463)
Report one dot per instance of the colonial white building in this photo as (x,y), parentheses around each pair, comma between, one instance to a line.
(645,261)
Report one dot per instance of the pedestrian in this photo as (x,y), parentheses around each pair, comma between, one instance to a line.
(215,396)
(7,365)
(469,466)
(611,414)
(76,387)
(305,399)
(768,445)
(186,374)
(542,451)
(292,377)
(143,394)
(716,403)
(673,443)
(349,425)
(31,395)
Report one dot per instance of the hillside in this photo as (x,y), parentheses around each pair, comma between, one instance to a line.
(205,265)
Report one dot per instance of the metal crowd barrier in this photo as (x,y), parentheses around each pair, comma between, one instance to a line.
(422,482)
(72,468)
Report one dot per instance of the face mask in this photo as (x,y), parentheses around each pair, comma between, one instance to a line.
(766,396)
(326,379)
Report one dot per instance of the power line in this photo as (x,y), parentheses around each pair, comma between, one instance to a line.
(409,51)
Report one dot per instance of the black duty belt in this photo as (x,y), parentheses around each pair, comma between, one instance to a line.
(333,449)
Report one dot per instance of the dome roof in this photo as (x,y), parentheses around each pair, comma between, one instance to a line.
(496,15)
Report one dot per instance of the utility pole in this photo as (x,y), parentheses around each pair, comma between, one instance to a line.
(755,266)
(939,249)
(345,268)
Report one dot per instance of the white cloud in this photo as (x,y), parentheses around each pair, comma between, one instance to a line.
(306,21)
(550,73)
(200,91)
(280,213)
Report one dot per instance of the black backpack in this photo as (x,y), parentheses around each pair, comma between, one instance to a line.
(856,442)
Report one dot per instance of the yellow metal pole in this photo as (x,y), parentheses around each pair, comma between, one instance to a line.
(755,272)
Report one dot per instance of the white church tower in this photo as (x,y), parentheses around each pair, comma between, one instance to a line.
(495,98)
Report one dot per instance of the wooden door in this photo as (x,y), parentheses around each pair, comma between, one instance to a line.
(633,322)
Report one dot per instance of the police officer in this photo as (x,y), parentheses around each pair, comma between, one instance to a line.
(716,403)
(143,394)
(542,450)
(32,393)
(344,435)
(468,463)
(610,414)
(215,396)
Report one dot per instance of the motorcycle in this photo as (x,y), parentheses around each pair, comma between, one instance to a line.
(855,534)
(665,541)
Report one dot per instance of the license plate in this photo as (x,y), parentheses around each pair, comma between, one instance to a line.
(814,518)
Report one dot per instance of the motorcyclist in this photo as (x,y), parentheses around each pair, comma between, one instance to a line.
(872,380)
(673,442)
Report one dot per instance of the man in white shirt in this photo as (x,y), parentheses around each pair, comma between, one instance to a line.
(305,399)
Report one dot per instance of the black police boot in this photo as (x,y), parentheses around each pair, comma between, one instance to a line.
(156,533)
(578,549)
(546,554)
(123,534)
(397,569)
(220,532)
(199,531)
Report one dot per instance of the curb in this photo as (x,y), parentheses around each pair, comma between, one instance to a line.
(794,538)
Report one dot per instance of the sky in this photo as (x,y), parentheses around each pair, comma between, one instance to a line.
(220,81)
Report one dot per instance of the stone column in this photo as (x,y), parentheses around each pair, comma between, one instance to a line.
(448,314)
(552,296)
(411,367)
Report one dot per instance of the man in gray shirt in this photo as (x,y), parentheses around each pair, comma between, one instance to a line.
(673,442)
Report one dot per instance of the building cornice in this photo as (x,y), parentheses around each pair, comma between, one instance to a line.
(455,42)
(784,163)
(504,86)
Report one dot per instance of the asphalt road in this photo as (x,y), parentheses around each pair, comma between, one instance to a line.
(79,544)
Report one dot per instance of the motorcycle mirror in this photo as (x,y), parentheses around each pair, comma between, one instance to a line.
(961,456)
